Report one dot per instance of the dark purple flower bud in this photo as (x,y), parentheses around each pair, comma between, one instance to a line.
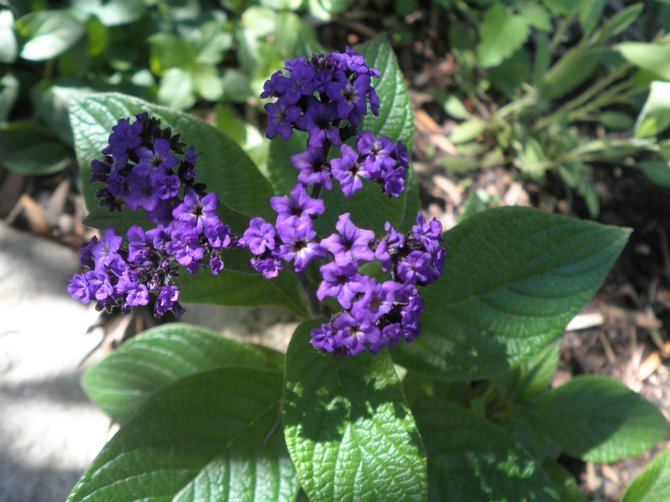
(259,237)
(353,244)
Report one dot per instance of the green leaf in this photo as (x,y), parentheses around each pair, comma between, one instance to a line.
(207,82)
(651,57)
(536,16)
(468,130)
(325,9)
(618,121)
(170,51)
(224,167)
(51,102)
(575,66)
(599,419)
(656,171)
(562,6)
(176,89)
(242,287)
(50,33)
(146,363)
(209,436)
(113,12)
(9,92)
(28,148)
(8,48)
(624,18)
(501,35)
(348,427)
(655,115)
(396,115)
(513,279)
(213,41)
(469,458)
(653,485)
(590,13)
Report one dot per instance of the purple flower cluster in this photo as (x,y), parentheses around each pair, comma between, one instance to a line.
(376,314)
(145,167)
(326,97)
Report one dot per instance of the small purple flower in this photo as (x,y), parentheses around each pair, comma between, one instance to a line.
(107,249)
(269,266)
(299,204)
(138,295)
(79,288)
(415,267)
(429,234)
(167,300)
(349,171)
(196,211)
(166,186)
(323,338)
(141,193)
(281,117)
(157,158)
(259,237)
(354,334)
(298,245)
(353,244)
(313,167)
(318,123)
(340,281)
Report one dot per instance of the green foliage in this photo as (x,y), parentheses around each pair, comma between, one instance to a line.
(348,428)
(653,485)
(482,321)
(121,383)
(469,458)
(30,149)
(558,88)
(601,420)
(208,436)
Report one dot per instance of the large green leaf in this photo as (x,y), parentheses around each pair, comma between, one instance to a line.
(599,419)
(653,485)
(348,428)
(469,458)
(224,166)
(210,436)
(513,278)
(121,382)
(501,34)
(396,114)
(8,48)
